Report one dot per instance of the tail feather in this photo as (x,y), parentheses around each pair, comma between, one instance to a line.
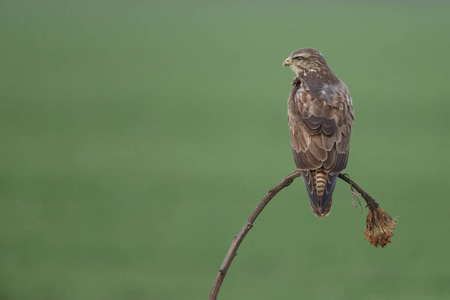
(320,187)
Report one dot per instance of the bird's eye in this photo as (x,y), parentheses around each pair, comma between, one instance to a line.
(298,58)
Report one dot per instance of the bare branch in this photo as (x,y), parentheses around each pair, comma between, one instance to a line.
(379,229)
(247,226)
(379,225)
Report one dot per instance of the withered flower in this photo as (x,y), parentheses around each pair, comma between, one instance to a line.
(379,226)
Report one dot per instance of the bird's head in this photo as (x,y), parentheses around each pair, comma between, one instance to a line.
(306,61)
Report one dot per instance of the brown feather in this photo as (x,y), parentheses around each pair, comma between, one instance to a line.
(320,115)
(317,148)
(327,142)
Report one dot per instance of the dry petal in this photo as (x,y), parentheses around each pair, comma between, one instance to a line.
(380,227)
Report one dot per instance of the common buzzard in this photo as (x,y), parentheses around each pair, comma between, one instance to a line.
(320,115)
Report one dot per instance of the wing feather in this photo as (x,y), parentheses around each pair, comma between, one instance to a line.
(301,160)
(327,142)
(320,125)
(317,148)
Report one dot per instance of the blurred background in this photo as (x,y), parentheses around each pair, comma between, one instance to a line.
(138,136)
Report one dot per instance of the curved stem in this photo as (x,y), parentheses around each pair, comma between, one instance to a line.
(377,234)
(247,226)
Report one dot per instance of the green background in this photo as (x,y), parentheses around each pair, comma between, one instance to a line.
(138,136)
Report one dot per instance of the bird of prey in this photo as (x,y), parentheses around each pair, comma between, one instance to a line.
(320,114)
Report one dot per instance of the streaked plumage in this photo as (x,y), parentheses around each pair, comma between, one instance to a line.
(320,115)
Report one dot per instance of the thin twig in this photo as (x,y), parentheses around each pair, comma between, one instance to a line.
(380,225)
(371,203)
(247,226)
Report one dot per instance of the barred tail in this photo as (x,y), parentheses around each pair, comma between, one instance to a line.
(320,186)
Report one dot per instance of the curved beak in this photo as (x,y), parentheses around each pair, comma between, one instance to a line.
(287,62)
